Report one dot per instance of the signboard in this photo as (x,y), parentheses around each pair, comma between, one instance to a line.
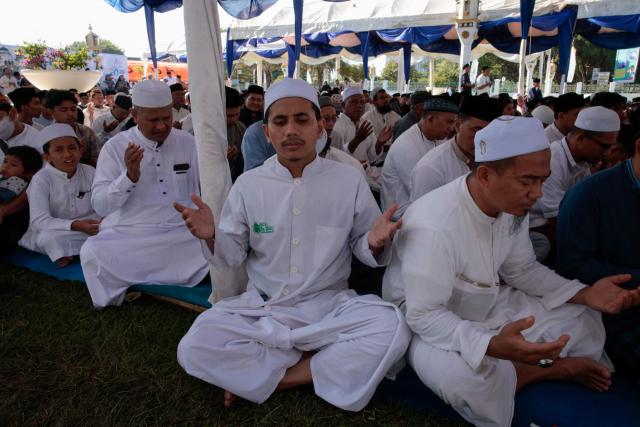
(626,64)
(137,70)
(594,74)
(603,78)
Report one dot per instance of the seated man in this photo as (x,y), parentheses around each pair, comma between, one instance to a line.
(565,111)
(437,122)
(297,323)
(488,318)
(454,158)
(140,173)
(596,130)
(598,235)
(61,216)
(107,126)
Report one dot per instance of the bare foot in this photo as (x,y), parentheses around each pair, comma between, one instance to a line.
(229,399)
(582,370)
(586,372)
(64,261)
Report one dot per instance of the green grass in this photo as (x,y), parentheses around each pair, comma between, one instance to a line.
(63,363)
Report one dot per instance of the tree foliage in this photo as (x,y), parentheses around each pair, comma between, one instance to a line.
(106,45)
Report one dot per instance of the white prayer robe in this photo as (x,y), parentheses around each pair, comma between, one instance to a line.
(379,121)
(55,201)
(97,112)
(29,137)
(461,276)
(99,123)
(553,133)
(142,238)
(396,171)
(296,237)
(565,173)
(438,167)
(344,132)
(179,115)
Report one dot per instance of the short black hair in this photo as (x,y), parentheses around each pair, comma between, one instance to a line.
(465,66)
(22,96)
(378,91)
(6,107)
(83,94)
(109,92)
(56,97)
(486,67)
(29,156)
(500,166)
(72,90)
(316,111)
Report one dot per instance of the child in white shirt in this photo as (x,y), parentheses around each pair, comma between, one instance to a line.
(19,165)
(61,216)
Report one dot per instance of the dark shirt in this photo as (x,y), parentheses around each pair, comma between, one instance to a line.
(248,117)
(465,83)
(404,123)
(598,227)
(535,93)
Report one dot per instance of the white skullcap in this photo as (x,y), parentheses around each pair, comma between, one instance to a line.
(350,91)
(290,88)
(598,119)
(509,136)
(544,114)
(151,94)
(56,130)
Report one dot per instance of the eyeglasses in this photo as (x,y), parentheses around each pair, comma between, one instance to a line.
(603,145)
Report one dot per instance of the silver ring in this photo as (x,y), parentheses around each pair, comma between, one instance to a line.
(545,363)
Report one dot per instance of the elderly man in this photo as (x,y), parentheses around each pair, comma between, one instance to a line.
(355,135)
(140,173)
(381,116)
(598,235)
(455,157)
(413,116)
(596,130)
(565,110)
(488,318)
(437,122)
(297,323)
(251,112)
(109,125)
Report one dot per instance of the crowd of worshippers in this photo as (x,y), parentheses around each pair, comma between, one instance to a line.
(468,200)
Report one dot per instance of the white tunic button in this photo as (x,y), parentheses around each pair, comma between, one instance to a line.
(296,211)
(296,181)
(294,269)
(267,307)
(295,241)
(285,291)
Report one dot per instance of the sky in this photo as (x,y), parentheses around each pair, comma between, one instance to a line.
(62,22)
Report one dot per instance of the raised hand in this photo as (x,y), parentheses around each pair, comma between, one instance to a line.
(385,134)
(111,126)
(383,230)
(363,131)
(232,152)
(87,226)
(606,296)
(132,157)
(509,344)
(199,221)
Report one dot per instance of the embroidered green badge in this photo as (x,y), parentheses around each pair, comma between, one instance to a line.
(262,228)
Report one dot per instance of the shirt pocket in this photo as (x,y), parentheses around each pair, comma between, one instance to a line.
(181,180)
(328,245)
(471,300)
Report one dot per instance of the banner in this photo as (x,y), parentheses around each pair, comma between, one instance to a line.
(626,64)
(139,69)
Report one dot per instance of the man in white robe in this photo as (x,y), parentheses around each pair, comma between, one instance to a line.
(381,116)
(140,173)
(488,318)
(355,135)
(566,109)
(454,158)
(297,323)
(437,123)
(595,132)
(109,125)
(95,108)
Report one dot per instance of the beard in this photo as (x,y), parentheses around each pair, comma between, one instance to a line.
(517,224)
(384,109)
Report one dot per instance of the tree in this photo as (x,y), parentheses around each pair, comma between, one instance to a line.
(590,56)
(499,67)
(355,73)
(107,46)
(446,73)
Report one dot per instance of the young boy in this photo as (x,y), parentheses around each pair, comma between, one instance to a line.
(19,165)
(61,216)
